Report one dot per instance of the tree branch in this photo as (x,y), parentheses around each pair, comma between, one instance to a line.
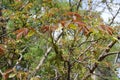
(109,8)
(43,58)
(88,41)
(100,58)
(78,4)
(111,53)
(114,16)
(70,4)
(20,57)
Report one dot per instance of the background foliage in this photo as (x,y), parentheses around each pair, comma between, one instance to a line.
(56,40)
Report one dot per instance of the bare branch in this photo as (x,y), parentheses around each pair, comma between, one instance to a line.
(88,41)
(24,5)
(70,3)
(114,16)
(109,8)
(11,70)
(100,58)
(76,75)
(110,45)
(40,63)
(20,57)
(78,4)
(1,72)
(43,58)
(89,5)
(111,53)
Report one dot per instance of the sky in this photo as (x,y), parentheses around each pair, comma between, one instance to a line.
(101,7)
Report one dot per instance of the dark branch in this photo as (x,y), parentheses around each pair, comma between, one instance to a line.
(78,4)
(88,41)
(100,58)
(70,3)
(114,16)
(112,53)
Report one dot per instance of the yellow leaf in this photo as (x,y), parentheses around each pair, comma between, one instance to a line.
(12,75)
(114,38)
(72,26)
(35,78)
(30,33)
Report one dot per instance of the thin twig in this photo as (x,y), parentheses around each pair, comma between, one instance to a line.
(79,4)
(20,57)
(111,53)
(87,42)
(70,4)
(109,8)
(76,76)
(43,59)
(114,16)
(11,70)
(24,5)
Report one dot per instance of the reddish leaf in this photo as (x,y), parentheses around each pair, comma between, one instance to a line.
(2,50)
(6,73)
(48,28)
(80,29)
(21,32)
(80,24)
(106,29)
(80,58)
(63,23)
(85,31)
(103,27)
(53,28)
(73,14)
(107,64)
(110,30)
(44,29)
